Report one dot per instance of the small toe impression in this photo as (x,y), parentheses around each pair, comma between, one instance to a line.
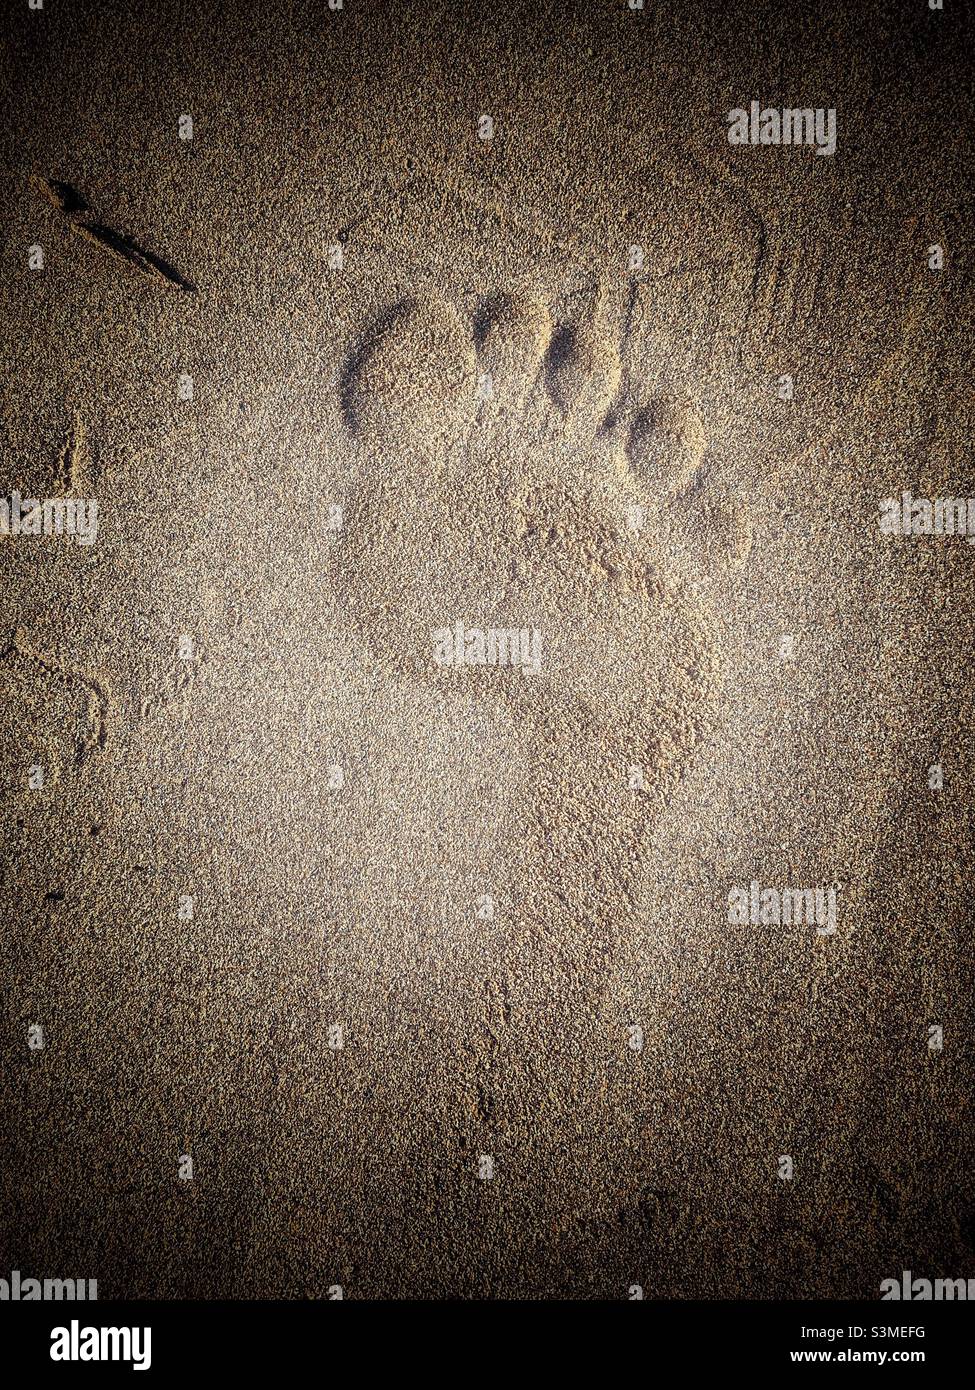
(582,373)
(510,337)
(667,443)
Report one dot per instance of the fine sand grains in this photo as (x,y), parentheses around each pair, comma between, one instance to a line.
(428,965)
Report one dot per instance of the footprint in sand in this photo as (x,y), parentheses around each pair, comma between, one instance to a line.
(510,476)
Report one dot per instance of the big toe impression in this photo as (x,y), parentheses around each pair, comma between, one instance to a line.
(411,382)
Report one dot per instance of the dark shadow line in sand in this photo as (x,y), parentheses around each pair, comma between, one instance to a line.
(64,196)
(129,250)
(72,203)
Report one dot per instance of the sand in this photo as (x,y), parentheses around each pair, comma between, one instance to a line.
(428,968)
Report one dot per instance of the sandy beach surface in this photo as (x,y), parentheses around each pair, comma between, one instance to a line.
(424,955)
